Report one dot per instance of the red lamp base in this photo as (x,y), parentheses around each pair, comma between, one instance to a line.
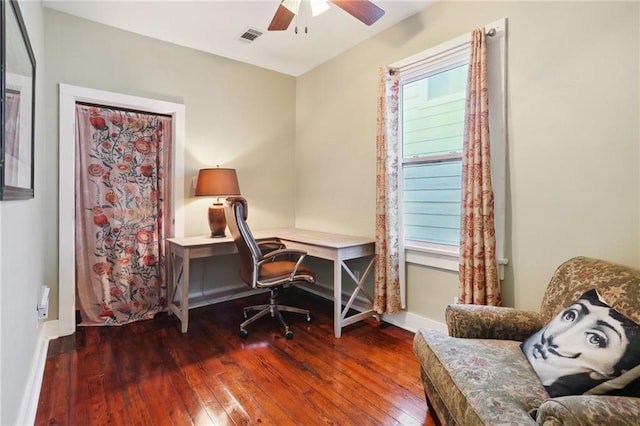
(217,220)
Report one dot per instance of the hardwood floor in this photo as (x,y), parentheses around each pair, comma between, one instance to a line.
(148,373)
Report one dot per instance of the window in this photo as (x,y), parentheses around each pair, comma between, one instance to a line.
(432,126)
(432,100)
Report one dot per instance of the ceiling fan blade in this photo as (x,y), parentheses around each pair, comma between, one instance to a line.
(281,19)
(362,10)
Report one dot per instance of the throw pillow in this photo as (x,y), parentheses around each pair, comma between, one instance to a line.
(589,347)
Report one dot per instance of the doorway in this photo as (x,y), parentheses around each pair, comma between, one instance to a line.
(69,96)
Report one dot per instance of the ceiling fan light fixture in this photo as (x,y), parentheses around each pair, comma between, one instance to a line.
(363,10)
(318,7)
(292,5)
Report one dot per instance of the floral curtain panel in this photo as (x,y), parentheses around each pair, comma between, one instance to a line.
(478,273)
(122,187)
(387,279)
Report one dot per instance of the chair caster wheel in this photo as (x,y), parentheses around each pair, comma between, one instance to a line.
(243,332)
(289,335)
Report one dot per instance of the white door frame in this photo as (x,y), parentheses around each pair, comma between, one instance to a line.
(69,95)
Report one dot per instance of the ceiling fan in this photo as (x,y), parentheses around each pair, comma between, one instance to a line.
(363,10)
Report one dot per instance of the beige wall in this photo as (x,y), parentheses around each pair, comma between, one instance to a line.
(237,115)
(305,148)
(23,255)
(573,137)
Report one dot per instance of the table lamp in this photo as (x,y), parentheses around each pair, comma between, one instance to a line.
(217,182)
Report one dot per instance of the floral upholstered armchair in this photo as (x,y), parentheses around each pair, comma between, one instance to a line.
(483,374)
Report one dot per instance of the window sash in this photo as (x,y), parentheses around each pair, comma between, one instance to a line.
(432,131)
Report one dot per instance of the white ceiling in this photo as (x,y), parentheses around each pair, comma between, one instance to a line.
(215,26)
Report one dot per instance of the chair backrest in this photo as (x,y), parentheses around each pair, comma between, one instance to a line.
(619,285)
(249,253)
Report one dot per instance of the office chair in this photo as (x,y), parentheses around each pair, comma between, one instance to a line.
(265,264)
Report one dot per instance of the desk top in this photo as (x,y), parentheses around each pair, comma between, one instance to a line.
(323,239)
(199,240)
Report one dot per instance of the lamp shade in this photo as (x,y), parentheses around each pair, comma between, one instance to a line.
(217,182)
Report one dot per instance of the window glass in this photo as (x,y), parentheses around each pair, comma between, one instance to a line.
(432,134)
(432,193)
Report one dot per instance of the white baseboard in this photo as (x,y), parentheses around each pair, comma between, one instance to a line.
(29,406)
(406,320)
(413,322)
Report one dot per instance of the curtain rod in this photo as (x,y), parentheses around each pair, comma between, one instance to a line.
(489,33)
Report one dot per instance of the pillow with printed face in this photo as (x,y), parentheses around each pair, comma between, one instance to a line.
(588,348)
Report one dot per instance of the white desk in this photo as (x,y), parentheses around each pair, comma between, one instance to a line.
(335,247)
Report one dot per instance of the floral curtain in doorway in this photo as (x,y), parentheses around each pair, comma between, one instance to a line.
(478,273)
(387,279)
(122,187)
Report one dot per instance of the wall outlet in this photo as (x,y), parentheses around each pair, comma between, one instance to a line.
(43,303)
(43,313)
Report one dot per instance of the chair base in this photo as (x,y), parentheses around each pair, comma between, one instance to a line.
(275,310)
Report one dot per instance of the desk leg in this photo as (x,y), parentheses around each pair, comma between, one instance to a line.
(341,318)
(178,277)
(184,304)
(337,297)
(171,279)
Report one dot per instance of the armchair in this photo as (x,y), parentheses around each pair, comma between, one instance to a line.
(265,264)
(478,374)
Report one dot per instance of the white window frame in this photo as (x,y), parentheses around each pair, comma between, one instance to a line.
(445,256)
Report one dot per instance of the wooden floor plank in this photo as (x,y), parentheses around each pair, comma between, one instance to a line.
(189,381)
(149,373)
(274,388)
(117,410)
(56,396)
(339,381)
(140,413)
(365,368)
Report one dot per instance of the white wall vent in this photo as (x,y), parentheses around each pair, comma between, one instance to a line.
(250,34)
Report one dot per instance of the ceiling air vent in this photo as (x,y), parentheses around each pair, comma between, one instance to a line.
(250,34)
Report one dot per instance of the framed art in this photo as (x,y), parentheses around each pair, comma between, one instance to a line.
(18,67)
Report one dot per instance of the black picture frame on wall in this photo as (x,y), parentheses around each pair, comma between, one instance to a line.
(18,69)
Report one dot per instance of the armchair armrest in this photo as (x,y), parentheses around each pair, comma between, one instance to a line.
(491,322)
(589,410)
